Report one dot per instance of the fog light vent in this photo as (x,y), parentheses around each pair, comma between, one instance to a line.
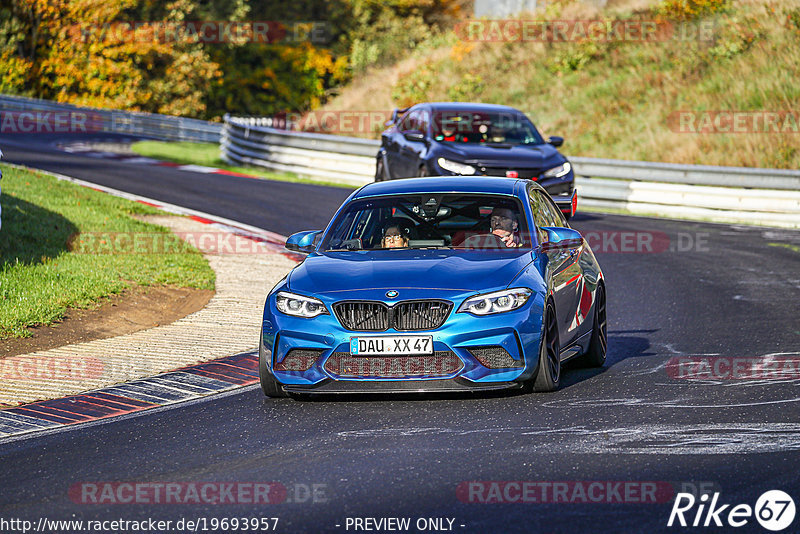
(298,360)
(494,357)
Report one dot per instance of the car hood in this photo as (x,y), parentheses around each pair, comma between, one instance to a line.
(535,156)
(457,270)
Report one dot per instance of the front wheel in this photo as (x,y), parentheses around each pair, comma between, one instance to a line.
(548,375)
(269,385)
(380,171)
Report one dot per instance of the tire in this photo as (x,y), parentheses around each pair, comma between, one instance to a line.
(548,374)
(598,345)
(380,172)
(269,385)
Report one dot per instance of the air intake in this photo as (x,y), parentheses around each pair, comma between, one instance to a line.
(495,357)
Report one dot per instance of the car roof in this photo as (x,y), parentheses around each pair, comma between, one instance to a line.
(441,184)
(469,106)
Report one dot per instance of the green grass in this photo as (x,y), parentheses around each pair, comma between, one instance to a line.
(208,154)
(794,248)
(620,99)
(41,277)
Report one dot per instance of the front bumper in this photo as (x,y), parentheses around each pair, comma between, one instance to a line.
(563,185)
(453,385)
(517,332)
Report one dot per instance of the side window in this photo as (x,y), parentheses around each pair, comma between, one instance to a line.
(410,121)
(560,220)
(538,215)
(424,119)
(552,213)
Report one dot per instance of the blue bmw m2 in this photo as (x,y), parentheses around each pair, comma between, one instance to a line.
(435,285)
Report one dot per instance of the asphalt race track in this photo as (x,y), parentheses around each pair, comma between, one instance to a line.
(702,293)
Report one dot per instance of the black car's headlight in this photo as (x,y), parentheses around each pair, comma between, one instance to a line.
(456,167)
(298,305)
(558,172)
(497,302)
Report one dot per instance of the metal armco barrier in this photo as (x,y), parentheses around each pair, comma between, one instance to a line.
(29,114)
(769,197)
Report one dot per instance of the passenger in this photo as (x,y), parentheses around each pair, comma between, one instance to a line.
(504,225)
(396,234)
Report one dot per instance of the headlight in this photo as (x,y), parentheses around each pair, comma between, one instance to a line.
(558,172)
(456,167)
(497,302)
(298,305)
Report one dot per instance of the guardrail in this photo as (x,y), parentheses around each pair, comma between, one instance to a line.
(725,194)
(163,127)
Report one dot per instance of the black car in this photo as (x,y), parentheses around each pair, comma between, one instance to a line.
(459,138)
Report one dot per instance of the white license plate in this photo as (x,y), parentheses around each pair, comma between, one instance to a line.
(383,345)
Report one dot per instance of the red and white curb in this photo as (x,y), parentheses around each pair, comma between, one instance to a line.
(181,385)
(85,149)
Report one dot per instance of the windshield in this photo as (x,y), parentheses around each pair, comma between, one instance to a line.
(452,221)
(501,128)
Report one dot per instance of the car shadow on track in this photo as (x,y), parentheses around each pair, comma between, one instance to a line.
(622,346)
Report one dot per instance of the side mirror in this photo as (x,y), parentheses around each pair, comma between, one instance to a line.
(555,140)
(414,136)
(561,238)
(303,241)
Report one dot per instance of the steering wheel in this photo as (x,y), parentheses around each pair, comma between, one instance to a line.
(482,241)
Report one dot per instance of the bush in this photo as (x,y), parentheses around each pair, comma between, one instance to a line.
(414,86)
(383,32)
(792,18)
(470,87)
(691,9)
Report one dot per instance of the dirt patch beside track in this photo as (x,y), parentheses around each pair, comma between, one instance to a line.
(137,308)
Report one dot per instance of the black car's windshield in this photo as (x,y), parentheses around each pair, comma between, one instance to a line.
(453,221)
(497,128)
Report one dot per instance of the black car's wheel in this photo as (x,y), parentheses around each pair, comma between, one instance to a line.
(596,354)
(269,385)
(549,373)
(380,171)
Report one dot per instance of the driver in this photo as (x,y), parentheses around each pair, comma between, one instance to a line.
(504,225)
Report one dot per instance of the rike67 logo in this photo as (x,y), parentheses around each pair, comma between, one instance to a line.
(774,510)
